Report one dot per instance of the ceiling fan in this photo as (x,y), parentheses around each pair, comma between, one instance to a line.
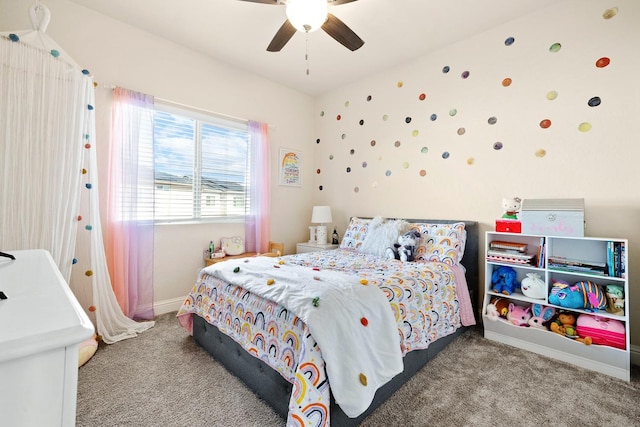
(308,16)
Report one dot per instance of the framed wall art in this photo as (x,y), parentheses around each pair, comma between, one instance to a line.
(290,167)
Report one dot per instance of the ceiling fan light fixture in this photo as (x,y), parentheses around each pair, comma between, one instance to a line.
(307,15)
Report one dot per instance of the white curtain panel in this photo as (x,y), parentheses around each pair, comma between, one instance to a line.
(49,190)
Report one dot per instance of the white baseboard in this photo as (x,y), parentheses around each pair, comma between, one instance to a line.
(167,306)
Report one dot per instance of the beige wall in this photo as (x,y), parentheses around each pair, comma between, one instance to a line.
(600,166)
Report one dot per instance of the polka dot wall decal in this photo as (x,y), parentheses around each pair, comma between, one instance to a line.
(388,173)
(555,47)
(346,103)
(369,98)
(497,145)
(610,13)
(361,122)
(445,155)
(424,150)
(373,142)
(344,136)
(545,124)
(397,144)
(407,119)
(86,72)
(541,153)
(492,120)
(470,161)
(423,172)
(461,131)
(506,82)
(415,132)
(54,53)
(584,127)
(509,41)
(364,164)
(318,141)
(321,113)
(434,117)
(400,84)
(348,169)
(464,74)
(88,227)
(551,95)
(594,102)
(318,171)
(320,188)
(422,97)
(405,165)
(445,69)
(356,189)
(330,156)
(603,62)
(338,117)
(385,117)
(453,112)
(352,151)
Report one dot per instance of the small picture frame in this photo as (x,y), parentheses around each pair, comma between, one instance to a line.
(290,167)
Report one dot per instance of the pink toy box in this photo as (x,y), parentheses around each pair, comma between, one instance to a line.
(603,331)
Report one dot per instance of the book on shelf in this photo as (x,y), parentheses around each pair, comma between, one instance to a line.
(513,246)
(616,259)
(508,260)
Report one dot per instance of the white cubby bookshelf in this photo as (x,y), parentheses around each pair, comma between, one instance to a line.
(601,358)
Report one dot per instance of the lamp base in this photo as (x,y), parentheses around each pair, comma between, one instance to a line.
(312,233)
(321,235)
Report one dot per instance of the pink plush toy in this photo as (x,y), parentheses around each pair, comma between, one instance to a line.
(518,315)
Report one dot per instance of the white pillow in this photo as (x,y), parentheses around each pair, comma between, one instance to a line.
(383,235)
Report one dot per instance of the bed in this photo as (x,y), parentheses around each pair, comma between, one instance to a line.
(255,317)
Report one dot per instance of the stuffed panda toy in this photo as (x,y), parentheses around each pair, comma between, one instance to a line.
(404,249)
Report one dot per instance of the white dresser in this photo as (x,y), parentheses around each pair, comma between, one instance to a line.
(41,328)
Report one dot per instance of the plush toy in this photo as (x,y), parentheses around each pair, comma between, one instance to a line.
(540,314)
(533,286)
(615,299)
(498,308)
(584,294)
(404,249)
(518,315)
(511,207)
(504,280)
(565,325)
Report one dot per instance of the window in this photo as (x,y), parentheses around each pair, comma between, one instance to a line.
(201,166)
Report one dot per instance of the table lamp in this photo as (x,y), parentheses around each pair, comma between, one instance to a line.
(321,215)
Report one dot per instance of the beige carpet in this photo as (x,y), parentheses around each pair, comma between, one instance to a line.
(162,378)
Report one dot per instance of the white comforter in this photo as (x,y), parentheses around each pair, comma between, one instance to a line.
(360,355)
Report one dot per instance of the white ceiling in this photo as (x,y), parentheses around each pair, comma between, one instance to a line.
(238,32)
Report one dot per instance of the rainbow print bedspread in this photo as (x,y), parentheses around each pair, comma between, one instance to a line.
(424,301)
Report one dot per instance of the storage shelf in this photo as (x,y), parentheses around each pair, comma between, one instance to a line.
(602,358)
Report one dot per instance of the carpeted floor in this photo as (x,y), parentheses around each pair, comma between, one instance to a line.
(163,378)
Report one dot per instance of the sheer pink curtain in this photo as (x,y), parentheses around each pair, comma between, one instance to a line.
(129,233)
(258,216)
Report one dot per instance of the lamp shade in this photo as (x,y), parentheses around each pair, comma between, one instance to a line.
(321,215)
(307,15)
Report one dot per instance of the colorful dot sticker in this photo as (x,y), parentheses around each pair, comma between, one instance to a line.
(422,97)
(397,144)
(453,112)
(321,113)
(352,151)
(470,161)
(603,62)
(318,171)
(464,74)
(400,84)
(541,153)
(434,117)
(348,169)
(361,122)
(584,127)
(610,13)
(405,165)
(594,102)
(407,120)
(506,82)
(330,156)
(385,117)
(423,172)
(551,95)
(373,142)
(509,41)
(364,164)
(369,98)
(338,117)
(356,189)
(445,155)
(555,47)
(344,136)
(497,145)
(415,132)
(318,141)
(424,150)
(364,321)
(445,69)
(54,53)
(545,124)
(492,120)
(387,173)
(320,188)
(346,103)
(461,131)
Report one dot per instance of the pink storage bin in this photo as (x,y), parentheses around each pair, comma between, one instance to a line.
(603,331)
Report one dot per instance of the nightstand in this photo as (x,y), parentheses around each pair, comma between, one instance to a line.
(210,261)
(314,247)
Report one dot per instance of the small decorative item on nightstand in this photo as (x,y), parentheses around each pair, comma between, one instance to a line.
(321,215)
(334,236)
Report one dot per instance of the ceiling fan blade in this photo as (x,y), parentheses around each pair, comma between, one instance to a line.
(337,2)
(341,33)
(281,38)
(264,1)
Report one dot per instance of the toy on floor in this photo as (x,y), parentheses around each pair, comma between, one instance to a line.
(497,308)
(503,280)
(88,348)
(518,315)
(511,207)
(540,314)
(584,294)
(565,325)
